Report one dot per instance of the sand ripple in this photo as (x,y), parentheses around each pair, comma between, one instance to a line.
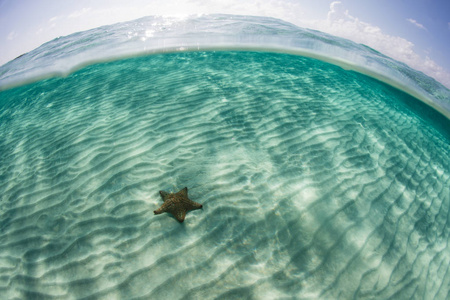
(315,183)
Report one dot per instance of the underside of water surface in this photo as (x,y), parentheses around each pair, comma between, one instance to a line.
(315,182)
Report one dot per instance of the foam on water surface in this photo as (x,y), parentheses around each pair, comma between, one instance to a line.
(315,182)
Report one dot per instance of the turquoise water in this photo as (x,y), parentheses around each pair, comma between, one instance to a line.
(316,182)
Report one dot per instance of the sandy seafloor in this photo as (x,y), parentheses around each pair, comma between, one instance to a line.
(316,182)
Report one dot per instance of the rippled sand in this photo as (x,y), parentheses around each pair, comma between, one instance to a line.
(315,182)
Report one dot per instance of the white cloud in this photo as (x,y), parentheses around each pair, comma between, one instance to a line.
(335,10)
(79,13)
(341,23)
(12,35)
(415,23)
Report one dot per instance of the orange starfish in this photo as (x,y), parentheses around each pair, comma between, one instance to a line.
(178,204)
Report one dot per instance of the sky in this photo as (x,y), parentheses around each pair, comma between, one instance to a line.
(416,32)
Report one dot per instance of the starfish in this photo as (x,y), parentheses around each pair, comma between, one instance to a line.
(178,204)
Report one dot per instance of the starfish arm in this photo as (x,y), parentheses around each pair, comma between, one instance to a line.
(184,192)
(180,215)
(166,207)
(191,205)
(163,194)
(196,205)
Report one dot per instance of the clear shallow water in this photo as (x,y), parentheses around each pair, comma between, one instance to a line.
(315,182)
